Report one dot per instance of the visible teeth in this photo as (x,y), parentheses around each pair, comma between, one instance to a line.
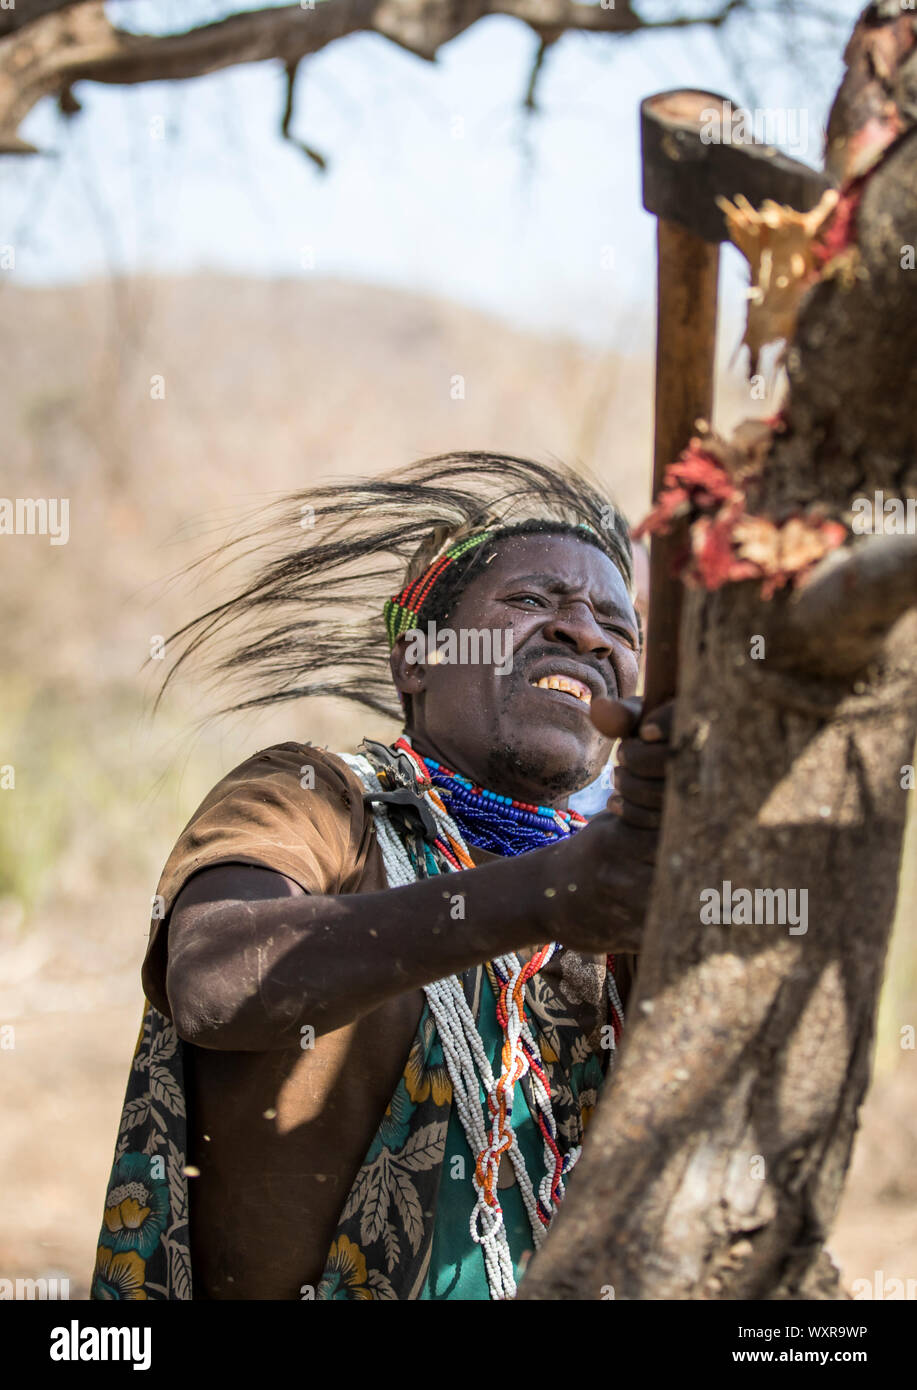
(571,687)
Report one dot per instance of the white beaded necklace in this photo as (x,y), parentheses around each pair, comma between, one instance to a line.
(469,1067)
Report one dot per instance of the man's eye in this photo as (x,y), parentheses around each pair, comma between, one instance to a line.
(536,599)
(616,629)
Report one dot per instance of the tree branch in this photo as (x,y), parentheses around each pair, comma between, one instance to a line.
(287,118)
(838,623)
(530,103)
(46,46)
(28,11)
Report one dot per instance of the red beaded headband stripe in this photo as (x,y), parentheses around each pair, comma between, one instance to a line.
(402,610)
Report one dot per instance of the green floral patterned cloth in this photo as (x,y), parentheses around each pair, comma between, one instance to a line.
(456,1269)
(143,1245)
(387,1236)
(384,1240)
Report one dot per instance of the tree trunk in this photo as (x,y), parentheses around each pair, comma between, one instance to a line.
(716,1158)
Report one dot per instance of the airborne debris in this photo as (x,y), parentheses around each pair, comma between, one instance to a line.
(787,252)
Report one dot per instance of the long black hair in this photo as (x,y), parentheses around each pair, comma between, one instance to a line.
(308,620)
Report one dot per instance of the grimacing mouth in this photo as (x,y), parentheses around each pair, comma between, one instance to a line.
(555,680)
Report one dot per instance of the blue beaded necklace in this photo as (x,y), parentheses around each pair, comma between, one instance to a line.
(498,823)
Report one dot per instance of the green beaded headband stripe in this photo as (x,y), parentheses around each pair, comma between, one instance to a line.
(402,610)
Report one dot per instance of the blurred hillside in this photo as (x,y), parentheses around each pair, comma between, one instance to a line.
(267,386)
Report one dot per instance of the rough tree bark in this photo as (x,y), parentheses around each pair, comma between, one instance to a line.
(716,1159)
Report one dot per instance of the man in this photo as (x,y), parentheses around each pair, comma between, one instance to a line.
(365,1077)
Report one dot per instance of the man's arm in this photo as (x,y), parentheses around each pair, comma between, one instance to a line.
(252,958)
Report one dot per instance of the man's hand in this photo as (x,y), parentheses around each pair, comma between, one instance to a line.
(643,756)
(598,883)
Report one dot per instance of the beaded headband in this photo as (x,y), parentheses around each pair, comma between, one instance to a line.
(402,610)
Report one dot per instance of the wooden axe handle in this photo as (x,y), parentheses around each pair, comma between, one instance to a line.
(685,350)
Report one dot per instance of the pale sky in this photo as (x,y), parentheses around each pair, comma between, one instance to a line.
(437,182)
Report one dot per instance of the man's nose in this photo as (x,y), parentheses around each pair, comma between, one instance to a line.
(575,626)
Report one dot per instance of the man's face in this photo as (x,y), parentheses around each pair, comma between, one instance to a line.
(562,614)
